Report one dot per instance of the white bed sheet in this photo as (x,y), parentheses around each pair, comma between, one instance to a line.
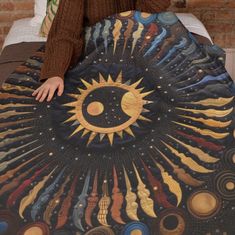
(193,24)
(23,31)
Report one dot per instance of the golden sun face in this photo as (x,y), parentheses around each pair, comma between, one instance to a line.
(108,107)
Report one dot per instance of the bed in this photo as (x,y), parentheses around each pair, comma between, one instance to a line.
(23,40)
(141,141)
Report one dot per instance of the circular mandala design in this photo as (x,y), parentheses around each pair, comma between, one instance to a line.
(135,228)
(225,184)
(171,222)
(229,158)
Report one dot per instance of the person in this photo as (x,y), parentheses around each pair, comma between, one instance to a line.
(65,40)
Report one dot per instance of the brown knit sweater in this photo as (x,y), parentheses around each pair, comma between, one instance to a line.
(65,40)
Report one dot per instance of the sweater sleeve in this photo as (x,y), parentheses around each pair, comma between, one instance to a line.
(152,6)
(64,38)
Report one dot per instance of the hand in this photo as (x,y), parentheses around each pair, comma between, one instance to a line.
(48,88)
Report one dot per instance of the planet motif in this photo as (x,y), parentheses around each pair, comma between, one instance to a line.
(203,204)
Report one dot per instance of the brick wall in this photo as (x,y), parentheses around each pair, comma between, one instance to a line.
(217,15)
(11,10)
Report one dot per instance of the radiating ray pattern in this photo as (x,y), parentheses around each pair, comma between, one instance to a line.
(142,134)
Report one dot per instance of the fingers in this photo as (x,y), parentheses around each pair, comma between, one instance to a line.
(36,92)
(44,94)
(51,94)
(39,93)
(60,89)
(48,89)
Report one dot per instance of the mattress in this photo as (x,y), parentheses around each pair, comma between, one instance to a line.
(23,31)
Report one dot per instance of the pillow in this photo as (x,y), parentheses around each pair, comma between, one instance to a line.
(52,7)
(40,8)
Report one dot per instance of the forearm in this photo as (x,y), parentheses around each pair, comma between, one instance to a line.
(63,38)
(57,59)
(152,6)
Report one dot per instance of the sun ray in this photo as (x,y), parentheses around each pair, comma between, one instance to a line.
(144,110)
(135,85)
(209,122)
(12,150)
(209,112)
(81,90)
(129,131)
(181,173)
(120,133)
(218,102)
(72,118)
(140,89)
(131,204)
(9,95)
(173,185)
(94,82)
(119,77)
(141,117)
(85,132)
(9,114)
(205,157)
(146,94)
(12,173)
(188,161)
(92,136)
(110,80)
(116,33)
(5,164)
(143,193)
(28,199)
(79,128)
(205,132)
(110,136)
(101,79)
(72,104)
(14,139)
(10,87)
(75,96)
(5,124)
(87,84)
(8,132)
(72,111)
(145,102)
(12,105)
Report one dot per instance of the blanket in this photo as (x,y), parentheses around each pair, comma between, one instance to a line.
(140,143)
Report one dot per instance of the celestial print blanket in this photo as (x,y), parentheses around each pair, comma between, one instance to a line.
(140,143)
